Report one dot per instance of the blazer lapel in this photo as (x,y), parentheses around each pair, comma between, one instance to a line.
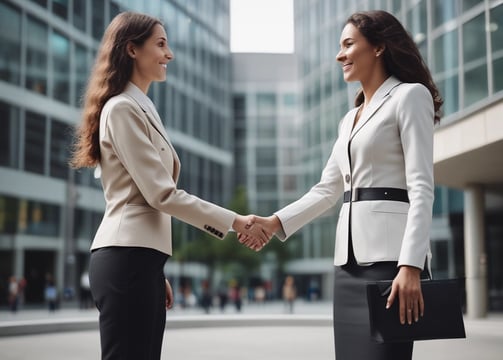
(380,96)
(153,117)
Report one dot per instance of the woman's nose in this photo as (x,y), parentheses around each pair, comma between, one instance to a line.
(169,54)
(339,56)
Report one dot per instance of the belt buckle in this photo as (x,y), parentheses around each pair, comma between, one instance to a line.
(355,194)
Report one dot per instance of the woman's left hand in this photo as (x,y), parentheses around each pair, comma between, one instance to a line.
(407,286)
(170,299)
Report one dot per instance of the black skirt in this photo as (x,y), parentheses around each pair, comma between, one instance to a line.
(351,316)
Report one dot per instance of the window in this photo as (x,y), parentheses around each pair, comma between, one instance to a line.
(98,18)
(474,44)
(8,214)
(36,56)
(496,29)
(267,206)
(449,90)
(290,99)
(468,4)
(34,149)
(416,22)
(60,8)
(497,74)
(266,128)
(80,15)
(266,104)
(438,208)
(445,52)
(475,84)
(60,149)
(290,183)
(239,106)
(86,223)
(266,157)
(443,11)
(10,37)
(475,60)
(81,73)
(9,136)
(114,10)
(37,218)
(61,67)
(42,3)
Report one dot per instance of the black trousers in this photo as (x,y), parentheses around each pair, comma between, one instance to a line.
(127,284)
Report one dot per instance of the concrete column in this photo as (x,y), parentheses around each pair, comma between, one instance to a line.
(18,270)
(475,253)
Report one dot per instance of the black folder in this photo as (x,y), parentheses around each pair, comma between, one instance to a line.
(443,317)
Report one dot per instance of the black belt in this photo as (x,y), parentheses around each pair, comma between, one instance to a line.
(377,193)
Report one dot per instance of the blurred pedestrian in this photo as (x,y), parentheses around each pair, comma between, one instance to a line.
(289,293)
(222,296)
(51,295)
(235,295)
(86,299)
(206,298)
(259,294)
(13,294)
(22,284)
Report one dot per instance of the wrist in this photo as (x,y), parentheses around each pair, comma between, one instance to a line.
(275,223)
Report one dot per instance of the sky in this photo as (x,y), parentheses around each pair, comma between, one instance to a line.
(264,26)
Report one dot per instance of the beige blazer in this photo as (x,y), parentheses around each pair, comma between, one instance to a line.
(390,146)
(139,172)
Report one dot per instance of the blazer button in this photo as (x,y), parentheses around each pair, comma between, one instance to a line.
(347,178)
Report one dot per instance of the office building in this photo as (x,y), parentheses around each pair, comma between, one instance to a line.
(48,214)
(266,136)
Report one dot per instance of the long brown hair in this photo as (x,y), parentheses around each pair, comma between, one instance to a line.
(111,72)
(402,58)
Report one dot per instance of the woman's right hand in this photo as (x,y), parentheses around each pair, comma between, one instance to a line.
(270,226)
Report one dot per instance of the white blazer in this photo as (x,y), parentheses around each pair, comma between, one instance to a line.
(390,146)
(139,172)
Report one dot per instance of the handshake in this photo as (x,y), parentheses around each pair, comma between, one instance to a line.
(256,231)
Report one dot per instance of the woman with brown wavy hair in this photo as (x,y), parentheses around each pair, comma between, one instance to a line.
(121,134)
(382,167)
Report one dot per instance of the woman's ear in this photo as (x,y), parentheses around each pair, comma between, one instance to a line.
(131,50)
(379,50)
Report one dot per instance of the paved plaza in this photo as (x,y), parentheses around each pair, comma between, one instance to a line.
(263,332)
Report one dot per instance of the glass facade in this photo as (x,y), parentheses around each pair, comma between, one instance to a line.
(462,42)
(48,48)
(266,112)
(263,126)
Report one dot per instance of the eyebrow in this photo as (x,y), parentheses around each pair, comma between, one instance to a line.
(162,38)
(346,40)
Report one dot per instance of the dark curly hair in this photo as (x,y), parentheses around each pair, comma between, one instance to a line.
(402,58)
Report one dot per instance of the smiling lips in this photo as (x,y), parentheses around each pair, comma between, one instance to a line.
(346,66)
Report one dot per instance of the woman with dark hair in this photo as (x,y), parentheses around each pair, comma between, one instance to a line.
(382,166)
(122,135)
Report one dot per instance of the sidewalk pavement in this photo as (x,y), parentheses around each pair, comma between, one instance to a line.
(260,331)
